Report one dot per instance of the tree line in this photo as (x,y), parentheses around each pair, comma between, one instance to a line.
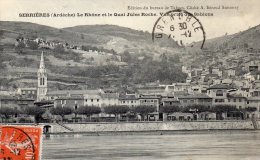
(116,110)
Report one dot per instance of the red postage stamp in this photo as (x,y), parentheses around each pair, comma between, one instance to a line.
(20,142)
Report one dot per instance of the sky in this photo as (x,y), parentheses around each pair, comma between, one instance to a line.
(245,13)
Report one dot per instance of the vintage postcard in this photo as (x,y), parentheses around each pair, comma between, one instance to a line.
(130,79)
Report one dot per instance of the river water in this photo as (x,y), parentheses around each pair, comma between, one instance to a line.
(203,145)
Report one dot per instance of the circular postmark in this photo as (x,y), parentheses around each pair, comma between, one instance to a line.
(15,144)
(180,26)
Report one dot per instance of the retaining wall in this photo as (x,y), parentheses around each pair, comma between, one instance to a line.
(153,126)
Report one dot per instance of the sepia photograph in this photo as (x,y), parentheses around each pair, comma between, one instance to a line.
(129,80)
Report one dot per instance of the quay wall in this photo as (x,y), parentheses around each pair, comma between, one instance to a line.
(151,126)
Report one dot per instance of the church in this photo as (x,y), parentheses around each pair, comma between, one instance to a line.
(42,81)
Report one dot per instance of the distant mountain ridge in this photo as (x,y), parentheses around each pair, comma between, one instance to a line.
(111,30)
(250,37)
(106,36)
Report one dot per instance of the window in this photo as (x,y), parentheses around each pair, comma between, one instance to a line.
(97,100)
(240,100)
(123,101)
(219,93)
(92,100)
(63,102)
(234,100)
(86,100)
(151,100)
(229,100)
(132,101)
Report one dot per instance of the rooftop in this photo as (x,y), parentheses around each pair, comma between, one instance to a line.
(128,97)
(195,96)
(235,96)
(71,98)
(222,86)
(7,97)
(73,92)
(253,98)
(170,99)
(109,95)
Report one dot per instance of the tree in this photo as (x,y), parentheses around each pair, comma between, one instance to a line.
(143,110)
(8,111)
(36,112)
(250,109)
(116,110)
(82,36)
(126,56)
(20,48)
(170,109)
(1,33)
(219,109)
(32,45)
(59,49)
(88,110)
(196,108)
(61,111)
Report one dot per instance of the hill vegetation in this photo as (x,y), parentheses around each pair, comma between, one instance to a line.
(141,61)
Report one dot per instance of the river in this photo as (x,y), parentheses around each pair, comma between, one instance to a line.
(200,145)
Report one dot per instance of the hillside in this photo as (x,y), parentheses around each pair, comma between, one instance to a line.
(111,30)
(249,38)
(110,54)
(103,36)
(49,33)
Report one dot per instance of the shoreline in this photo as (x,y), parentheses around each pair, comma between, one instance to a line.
(159,132)
(145,128)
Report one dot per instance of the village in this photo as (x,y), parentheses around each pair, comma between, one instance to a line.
(220,97)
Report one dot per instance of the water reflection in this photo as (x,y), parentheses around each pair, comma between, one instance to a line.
(231,145)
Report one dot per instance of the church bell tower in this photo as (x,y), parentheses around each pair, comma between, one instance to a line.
(42,81)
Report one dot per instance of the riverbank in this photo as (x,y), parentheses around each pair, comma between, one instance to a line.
(155,127)
(144,133)
(142,127)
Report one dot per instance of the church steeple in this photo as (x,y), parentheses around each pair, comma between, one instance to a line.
(42,65)
(42,81)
